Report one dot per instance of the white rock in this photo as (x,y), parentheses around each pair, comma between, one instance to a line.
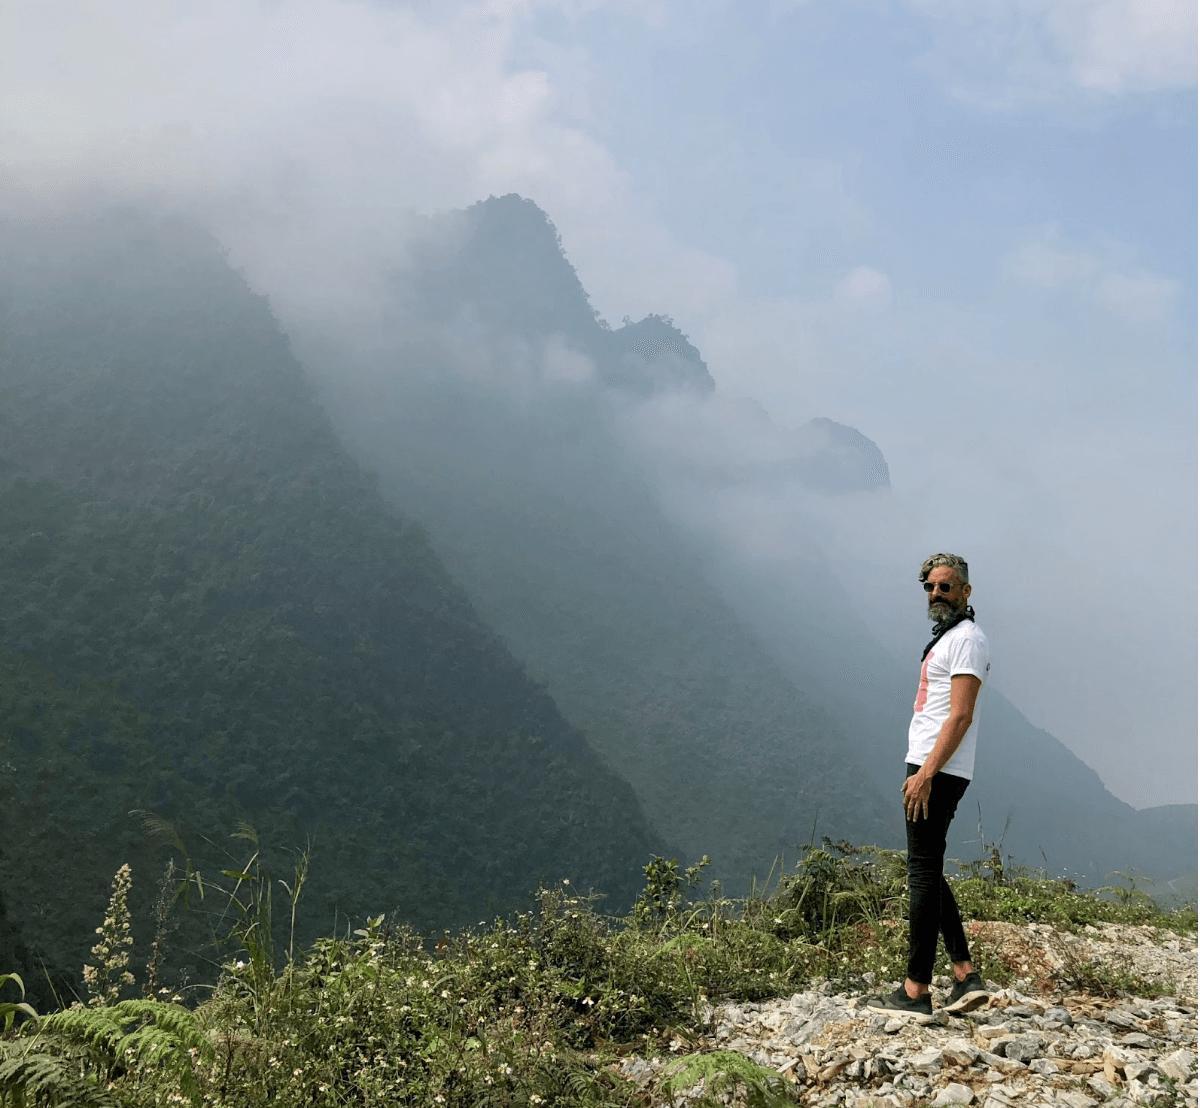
(1138,1092)
(997,1098)
(1001,1064)
(959,1052)
(1074,1098)
(954,1093)
(1138,1071)
(926,1060)
(1118,1057)
(992,1032)
(1179,1065)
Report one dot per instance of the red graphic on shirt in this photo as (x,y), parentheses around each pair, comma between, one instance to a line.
(922,687)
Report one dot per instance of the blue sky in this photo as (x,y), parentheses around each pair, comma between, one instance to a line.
(1015,188)
(726,107)
(966,227)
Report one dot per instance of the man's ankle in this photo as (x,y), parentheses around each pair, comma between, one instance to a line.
(961,970)
(914,989)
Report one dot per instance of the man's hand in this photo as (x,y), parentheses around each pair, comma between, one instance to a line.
(916,791)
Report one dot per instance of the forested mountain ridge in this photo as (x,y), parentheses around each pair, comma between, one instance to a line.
(498,269)
(765,698)
(539,509)
(212,614)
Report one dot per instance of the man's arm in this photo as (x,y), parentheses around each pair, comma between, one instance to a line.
(964,688)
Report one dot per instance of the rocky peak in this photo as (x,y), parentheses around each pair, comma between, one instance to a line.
(652,355)
(833,457)
(502,261)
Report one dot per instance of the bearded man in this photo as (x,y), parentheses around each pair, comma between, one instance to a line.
(940,763)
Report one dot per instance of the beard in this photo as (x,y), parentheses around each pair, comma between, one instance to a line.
(942,610)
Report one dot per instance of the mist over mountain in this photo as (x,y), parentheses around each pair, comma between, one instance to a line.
(510,444)
(662,556)
(838,458)
(212,615)
(553,602)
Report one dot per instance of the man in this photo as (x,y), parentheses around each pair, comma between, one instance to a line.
(940,762)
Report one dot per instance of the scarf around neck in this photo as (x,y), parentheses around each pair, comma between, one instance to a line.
(939,629)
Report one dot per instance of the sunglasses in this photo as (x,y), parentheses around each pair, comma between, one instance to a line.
(941,586)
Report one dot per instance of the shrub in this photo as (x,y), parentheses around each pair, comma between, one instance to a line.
(532,1009)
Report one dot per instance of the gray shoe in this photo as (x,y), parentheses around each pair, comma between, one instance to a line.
(967,995)
(900,1004)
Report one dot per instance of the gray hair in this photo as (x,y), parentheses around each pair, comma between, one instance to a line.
(956,563)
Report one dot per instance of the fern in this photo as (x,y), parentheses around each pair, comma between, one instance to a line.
(134,1036)
(173,1018)
(589,1086)
(29,1077)
(726,1071)
(92,1028)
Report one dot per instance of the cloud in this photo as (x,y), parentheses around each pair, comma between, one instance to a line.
(316,128)
(1011,53)
(1045,262)
(866,286)
(1047,265)
(307,134)
(1128,45)
(1140,296)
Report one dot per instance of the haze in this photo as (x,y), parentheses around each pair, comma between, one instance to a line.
(966,230)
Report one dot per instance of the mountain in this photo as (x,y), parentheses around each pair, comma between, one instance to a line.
(1172,826)
(212,614)
(1030,794)
(650,356)
(744,703)
(530,496)
(836,458)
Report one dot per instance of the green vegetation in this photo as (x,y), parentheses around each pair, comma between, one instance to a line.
(991,889)
(535,1008)
(211,614)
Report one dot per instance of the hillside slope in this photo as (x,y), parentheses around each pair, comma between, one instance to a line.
(520,475)
(745,701)
(212,614)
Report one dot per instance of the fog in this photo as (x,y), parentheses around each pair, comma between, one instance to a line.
(1022,354)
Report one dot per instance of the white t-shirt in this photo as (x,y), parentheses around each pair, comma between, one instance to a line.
(962,649)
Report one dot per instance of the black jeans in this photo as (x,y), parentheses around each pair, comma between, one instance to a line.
(931,905)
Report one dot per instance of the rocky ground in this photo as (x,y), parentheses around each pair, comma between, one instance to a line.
(1045,1040)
